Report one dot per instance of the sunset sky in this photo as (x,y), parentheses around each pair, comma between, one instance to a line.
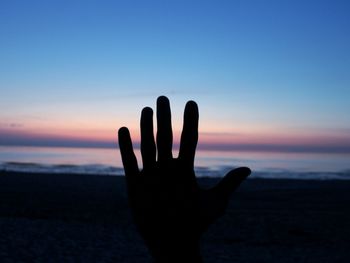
(267,75)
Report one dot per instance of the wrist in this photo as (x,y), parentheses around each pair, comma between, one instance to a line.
(177,252)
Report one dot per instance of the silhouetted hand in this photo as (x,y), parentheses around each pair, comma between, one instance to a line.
(170,210)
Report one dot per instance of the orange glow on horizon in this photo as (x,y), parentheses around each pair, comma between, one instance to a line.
(208,139)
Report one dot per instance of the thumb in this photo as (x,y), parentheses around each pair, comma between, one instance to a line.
(231,181)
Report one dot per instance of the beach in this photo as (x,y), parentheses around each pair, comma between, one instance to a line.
(86,218)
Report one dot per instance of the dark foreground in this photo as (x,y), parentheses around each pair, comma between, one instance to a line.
(84,218)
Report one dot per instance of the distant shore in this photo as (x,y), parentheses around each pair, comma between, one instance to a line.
(85,218)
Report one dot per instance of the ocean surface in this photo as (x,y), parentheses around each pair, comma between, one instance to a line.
(276,165)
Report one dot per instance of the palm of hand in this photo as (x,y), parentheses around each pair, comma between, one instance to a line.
(165,202)
(168,206)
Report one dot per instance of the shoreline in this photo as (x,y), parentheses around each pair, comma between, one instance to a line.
(58,218)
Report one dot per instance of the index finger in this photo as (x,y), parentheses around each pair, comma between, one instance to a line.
(189,136)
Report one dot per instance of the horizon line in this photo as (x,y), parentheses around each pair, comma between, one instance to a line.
(244,147)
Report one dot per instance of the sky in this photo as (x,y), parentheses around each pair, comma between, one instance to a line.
(267,75)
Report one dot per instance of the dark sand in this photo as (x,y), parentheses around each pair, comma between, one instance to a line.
(84,218)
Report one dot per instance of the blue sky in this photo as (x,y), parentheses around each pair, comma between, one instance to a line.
(262,72)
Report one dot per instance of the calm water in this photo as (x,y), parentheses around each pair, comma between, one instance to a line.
(208,163)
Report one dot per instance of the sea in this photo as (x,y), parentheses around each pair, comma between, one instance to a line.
(208,163)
